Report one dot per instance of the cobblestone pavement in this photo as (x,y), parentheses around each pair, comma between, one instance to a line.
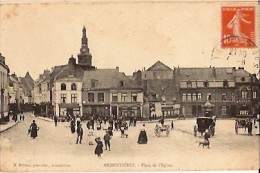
(55,149)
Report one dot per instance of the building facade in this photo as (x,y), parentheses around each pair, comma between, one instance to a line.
(4,96)
(110,92)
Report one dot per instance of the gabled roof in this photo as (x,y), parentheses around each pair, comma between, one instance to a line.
(159,66)
(70,70)
(108,79)
(242,72)
(203,74)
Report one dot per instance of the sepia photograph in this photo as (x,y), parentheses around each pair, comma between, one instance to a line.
(129,86)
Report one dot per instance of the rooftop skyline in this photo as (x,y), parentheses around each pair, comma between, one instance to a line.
(34,37)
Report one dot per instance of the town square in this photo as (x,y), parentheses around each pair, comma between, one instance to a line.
(127,86)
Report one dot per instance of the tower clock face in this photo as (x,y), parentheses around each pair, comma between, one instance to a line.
(84,49)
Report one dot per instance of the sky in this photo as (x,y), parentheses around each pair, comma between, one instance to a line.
(129,34)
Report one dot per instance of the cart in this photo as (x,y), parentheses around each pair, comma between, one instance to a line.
(203,124)
(159,129)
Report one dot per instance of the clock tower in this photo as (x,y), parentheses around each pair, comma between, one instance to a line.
(84,57)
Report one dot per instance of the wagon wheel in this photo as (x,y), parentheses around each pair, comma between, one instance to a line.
(195,133)
(236,129)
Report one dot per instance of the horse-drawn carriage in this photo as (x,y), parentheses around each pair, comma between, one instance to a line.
(242,123)
(159,129)
(203,124)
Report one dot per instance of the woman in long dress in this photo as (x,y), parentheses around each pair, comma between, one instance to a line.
(72,126)
(99,147)
(33,130)
(90,136)
(142,139)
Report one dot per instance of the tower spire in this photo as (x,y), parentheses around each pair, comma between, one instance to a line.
(84,40)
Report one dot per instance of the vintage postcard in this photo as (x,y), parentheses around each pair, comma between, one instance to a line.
(129,85)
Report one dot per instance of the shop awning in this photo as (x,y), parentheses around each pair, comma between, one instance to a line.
(69,105)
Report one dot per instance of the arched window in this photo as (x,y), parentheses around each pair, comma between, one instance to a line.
(73,86)
(63,86)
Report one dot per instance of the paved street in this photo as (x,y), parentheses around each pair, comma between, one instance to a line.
(54,149)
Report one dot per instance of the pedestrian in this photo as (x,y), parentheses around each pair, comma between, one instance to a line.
(135,120)
(72,126)
(172,125)
(110,129)
(79,134)
(122,129)
(126,132)
(33,129)
(142,139)
(249,127)
(90,136)
(99,147)
(162,121)
(116,125)
(78,121)
(107,138)
(55,120)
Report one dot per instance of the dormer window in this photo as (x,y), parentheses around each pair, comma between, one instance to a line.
(73,86)
(206,83)
(225,83)
(189,85)
(94,83)
(63,86)
(122,83)
(243,79)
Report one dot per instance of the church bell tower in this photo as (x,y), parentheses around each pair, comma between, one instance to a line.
(84,57)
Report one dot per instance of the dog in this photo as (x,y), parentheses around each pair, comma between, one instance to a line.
(204,144)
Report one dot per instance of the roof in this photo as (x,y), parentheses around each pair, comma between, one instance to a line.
(202,74)
(159,66)
(108,79)
(70,70)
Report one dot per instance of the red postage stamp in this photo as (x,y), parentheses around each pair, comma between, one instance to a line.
(238,27)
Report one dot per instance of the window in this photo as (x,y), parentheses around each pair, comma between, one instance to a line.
(223,110)
(189,97)
(91,97)
(243,79)
(223,96)
(101,97)
(63,98)
(225,83)
(254,94)
(124,98)
(73,86)
(199,96)
(114,98)
(134,97)
(189,84)
(73,98)
(209,96)
(194,97)
(184,97)
(122,83)
(63,86)
(206,84)
(244,94)
(94,83)
(233,97)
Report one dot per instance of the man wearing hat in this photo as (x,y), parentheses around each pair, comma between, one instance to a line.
(79,133)
(107,140)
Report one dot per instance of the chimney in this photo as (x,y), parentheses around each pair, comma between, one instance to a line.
(117,68)
(214,71)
